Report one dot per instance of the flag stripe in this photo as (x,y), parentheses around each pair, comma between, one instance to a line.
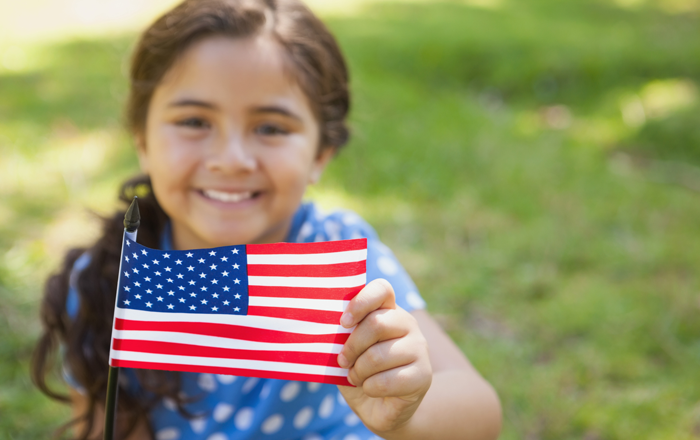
(333,380)
(307,270)
(231,331)
(350,281)
(307,248)
(177,349)
(297,259)
(224,342)
(228,363)
(259,322)
(317,316)
(340,293)
(329,305)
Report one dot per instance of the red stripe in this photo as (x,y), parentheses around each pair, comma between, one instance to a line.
(309,315)
(307,248)
(308,270)
(334,380)
(230,331)
(338,293)
(292,357)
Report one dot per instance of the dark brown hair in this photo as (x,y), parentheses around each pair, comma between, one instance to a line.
(316,63)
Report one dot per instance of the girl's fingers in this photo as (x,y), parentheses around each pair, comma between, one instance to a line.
(378,294)
(383,356)
(380,325)
(404,381)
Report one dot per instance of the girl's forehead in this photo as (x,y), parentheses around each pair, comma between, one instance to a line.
(221,68)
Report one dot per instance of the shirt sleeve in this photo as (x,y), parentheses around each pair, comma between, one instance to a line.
(381,262)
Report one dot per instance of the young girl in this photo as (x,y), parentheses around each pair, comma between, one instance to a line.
(236,106)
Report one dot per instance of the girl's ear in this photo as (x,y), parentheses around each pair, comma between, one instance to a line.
(141,152)
(320,163)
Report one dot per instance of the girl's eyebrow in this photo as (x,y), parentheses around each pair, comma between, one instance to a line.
(192,102)
(278,110)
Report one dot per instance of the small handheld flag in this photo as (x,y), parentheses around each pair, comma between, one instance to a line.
(267,310)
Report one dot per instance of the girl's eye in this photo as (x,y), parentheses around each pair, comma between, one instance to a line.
(270,130)
(196,123)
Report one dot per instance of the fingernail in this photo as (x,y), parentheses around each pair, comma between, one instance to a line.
(342,361)
(351,382)
(346,319)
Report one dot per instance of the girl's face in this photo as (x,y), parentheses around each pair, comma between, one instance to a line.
(231,143)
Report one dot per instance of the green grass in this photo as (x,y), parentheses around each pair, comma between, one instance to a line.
(500,152)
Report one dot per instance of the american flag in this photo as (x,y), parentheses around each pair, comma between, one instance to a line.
(266,310)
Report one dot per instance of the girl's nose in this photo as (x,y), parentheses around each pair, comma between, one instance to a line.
(232,156)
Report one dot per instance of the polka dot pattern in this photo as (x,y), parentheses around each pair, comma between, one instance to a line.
(244,418)
(303,417)
(168,434)
(222,412)
(326,408)
(272,424)
(290,391)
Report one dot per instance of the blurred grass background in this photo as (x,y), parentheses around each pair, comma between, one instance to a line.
(535,164)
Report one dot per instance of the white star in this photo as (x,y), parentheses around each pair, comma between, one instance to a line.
(127,302)
(235,251)
(136,270)
(237,296)
(170,306)
(237,281)
(226,303)
(178,262)
(157,273)
(145,266)
(201,260)
(127,288)
(166,255)
(193,308)
(226,288)
(191,283)
(137,284)
(160,286)
(214,309)
(215,295)
(193,295)
(204,288)
(224,258)
(189,254)
(126,257)
(170,280)
(212,267)
(236,309)
(215,281)
(143,251)
(149,291)
(155,261)
(147,279)
(212,253)
(204,301)
(190,268)
(180,287)
(149,304)
(182,300)
(202,275)
(137,296)
(135,255)
(179,276)
(128,243)
(171,293)
(126,274)
(236,266)
(224,273)
(160,298)
(167,269)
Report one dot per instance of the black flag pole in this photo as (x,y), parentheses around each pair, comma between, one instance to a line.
(132,220)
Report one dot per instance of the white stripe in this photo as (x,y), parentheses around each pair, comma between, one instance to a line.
(261,322)
(217,342)
(282,367)
(330,305)
(327,258)
(352,281)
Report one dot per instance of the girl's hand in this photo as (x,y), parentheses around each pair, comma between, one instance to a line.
(388,359)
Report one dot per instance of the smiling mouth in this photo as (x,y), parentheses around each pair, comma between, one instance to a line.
(228,197)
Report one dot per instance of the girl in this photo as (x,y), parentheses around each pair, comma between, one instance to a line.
(236,106)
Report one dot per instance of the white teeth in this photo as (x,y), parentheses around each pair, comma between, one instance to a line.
(227,196)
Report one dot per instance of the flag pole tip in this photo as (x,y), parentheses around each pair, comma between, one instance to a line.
(132,218)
